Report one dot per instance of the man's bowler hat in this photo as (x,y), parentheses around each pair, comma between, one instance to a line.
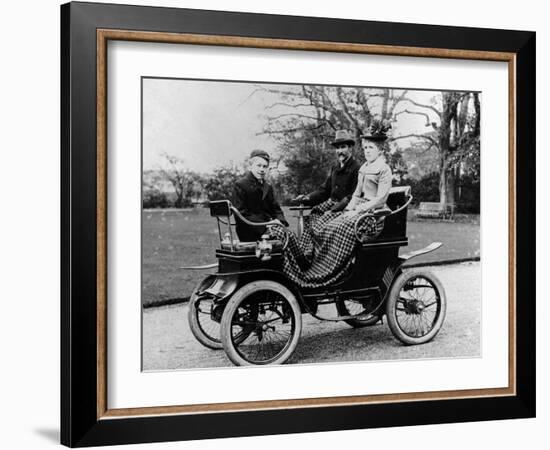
(343,137)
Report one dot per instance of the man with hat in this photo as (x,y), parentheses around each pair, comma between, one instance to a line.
(253,196)
(336,191)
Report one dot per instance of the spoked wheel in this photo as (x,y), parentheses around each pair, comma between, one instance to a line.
(416,307)
(261,324)
(203,327)
(356,307)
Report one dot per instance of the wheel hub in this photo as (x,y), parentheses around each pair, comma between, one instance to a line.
(262,328)
(415,307)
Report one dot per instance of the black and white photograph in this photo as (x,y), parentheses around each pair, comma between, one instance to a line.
(278,225)
(290,223)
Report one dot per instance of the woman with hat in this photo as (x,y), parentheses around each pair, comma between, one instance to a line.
(375,176)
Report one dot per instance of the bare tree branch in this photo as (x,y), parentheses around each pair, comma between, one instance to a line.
(362,101)
(290,105)
(420,105)
(377,96)
(289,130)
(417,113)
(276,91)
(304,116)
(249,96)
(396,102)
(259,88)
(345,109)
(420,136)
(432,145)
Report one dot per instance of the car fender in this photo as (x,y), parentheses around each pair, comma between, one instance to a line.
(220,286)
(430,248)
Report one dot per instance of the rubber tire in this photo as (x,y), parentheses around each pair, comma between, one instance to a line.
(355,323)
(196,329)
(392,302)
(233,304)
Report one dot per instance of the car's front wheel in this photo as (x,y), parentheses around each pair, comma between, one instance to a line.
(416,306)
(261,324)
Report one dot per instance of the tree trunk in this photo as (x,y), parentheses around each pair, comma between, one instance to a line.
(179,196)
(386,95)
(448,115)
(442,181)
(451,179)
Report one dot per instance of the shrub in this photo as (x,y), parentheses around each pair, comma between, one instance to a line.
(468,197)
(426,189)
(155,199)
(219,186)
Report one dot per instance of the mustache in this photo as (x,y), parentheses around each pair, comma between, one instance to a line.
(342,153)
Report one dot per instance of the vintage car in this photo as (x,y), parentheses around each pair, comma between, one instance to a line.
(254,312)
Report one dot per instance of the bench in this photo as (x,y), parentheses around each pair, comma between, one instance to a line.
(435,210)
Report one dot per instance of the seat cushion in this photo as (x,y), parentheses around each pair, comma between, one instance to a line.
(250,247)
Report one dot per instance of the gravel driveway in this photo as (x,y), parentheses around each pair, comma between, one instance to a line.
(168,343)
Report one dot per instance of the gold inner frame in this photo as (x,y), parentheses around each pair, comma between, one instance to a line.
(104,35)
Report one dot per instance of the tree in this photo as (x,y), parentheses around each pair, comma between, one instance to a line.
(153,195)
(303,120)
(219,186)
(455,135)
(458,138)
(398,165)
(421,159)
(186,184)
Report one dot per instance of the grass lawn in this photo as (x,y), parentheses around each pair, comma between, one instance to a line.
(181,238)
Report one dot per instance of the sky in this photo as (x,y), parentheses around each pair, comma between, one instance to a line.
(211,124)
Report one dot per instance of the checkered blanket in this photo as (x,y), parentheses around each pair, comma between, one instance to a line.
(324,253)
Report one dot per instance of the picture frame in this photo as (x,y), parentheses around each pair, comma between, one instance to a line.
(86,418)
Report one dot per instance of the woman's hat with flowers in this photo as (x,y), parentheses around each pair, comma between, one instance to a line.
(378,130)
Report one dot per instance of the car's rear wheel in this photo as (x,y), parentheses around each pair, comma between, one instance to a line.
(199,316)
(364,309)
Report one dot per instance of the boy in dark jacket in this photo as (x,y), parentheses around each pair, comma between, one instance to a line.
(253,196)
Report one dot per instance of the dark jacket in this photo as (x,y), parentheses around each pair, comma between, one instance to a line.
(257,203)
(339,185)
